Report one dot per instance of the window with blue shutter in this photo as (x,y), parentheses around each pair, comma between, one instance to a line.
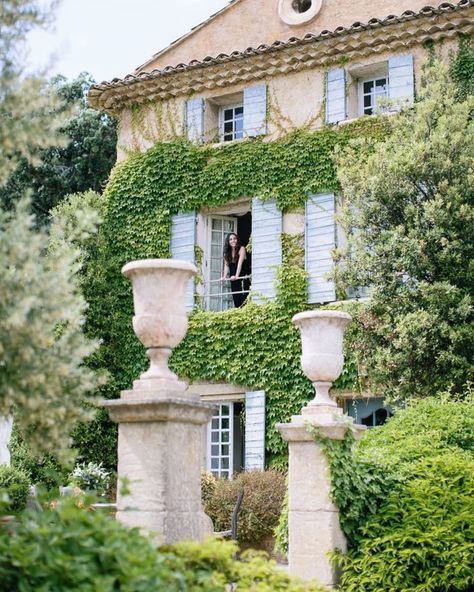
(255,110)
(401,79)
(320,240)
(266,247)
(255,430)
(195,119)
(336,95)
(183,240)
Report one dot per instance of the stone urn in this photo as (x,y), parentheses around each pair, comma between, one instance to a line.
(160,321)
(322,359)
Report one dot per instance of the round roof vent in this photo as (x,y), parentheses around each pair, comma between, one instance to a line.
(298,12)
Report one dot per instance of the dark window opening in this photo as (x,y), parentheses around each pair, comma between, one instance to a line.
(377,418)
(301,5)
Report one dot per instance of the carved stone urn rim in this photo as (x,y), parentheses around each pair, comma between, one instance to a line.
(320,314)
(152,264)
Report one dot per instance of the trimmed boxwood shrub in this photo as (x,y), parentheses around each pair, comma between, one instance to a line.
(261,505)
(16,485)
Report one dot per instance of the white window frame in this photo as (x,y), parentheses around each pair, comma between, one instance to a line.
(221,122)
(371,78)
(220,472)
(224,286)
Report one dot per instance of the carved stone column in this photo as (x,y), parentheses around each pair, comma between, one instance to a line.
(160,422)
(313,519)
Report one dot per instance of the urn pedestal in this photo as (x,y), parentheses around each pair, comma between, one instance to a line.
(160,422)
(313,519)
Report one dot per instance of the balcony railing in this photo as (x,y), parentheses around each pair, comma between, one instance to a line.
(217,294)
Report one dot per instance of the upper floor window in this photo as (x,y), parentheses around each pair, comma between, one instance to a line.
(371,92)
(231,123)
(227,117)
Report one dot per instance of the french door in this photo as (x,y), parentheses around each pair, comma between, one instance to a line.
(220,456)
(218,294)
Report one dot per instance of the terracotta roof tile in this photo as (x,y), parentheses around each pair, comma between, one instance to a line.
(306,51)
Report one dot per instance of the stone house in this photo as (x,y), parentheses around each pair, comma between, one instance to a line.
(266,68)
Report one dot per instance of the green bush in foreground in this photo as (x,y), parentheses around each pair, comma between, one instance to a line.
(16,485)
(68,548)
(422,538)
(419,537)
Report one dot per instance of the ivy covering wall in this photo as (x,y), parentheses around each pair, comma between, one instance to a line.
(255,346)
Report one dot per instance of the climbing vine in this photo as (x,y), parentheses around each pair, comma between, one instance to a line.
(462,67)
(255,346)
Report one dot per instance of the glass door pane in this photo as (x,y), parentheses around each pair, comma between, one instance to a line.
(219,297)
(220,441)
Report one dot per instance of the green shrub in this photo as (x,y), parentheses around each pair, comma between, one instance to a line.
(363,475)
(253,573)
(16,485)
(405,496)
(422,538)
(43,470)
(72,549)
(261,505)
(281,530)
(424,427)
(208,486)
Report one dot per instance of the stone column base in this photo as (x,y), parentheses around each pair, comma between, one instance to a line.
(313,519)
(159,455)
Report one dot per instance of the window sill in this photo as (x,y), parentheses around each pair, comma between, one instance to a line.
(354,119)
(231,143)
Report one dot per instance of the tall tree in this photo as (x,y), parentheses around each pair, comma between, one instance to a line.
(43,379)
(26,102)
(409,217)
(82,161)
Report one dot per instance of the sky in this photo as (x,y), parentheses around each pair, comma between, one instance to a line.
(110,38)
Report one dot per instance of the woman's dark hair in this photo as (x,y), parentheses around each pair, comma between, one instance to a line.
(228,248)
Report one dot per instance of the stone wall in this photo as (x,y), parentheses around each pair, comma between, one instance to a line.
(295,100)
(249,23)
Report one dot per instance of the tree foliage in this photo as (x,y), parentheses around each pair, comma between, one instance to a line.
(26,102)
(42,347)
(419,536)
(409,217)
(81,161)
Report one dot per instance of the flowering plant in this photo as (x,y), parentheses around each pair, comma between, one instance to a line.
(92,477)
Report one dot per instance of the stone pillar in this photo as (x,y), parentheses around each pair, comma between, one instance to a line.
(160,422)
(159,454)
(313,519)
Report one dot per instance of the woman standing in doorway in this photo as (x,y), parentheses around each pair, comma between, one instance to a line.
(235,267)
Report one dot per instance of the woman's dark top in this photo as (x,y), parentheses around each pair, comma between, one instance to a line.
(239,285)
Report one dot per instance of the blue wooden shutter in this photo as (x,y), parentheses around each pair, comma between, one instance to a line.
(336,95)
(320,240)
(266,247)
(401,86)
(255,110)
(254,430)
(195,119)
(183,239)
